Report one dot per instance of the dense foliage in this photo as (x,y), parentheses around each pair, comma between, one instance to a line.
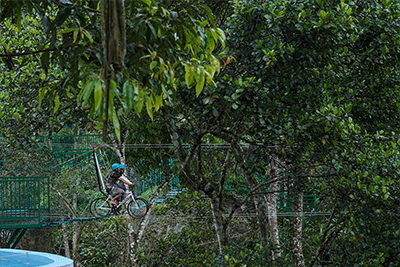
(312,85)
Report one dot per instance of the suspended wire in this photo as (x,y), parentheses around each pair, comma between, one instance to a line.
(156,217)
(141,146)
(63,146)
(74,158)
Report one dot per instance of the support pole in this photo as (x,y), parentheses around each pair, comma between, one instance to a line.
(15,238)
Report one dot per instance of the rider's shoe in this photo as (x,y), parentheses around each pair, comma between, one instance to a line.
(114,210)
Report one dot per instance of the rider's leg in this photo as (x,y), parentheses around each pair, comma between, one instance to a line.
(115,199)
(116,193)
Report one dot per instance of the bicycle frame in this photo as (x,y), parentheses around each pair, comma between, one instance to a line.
(126,199)
(136,208)
(130,195)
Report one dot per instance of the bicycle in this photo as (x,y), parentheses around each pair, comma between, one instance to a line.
(137,207)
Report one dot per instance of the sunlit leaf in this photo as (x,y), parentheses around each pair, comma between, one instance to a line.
(98,94)
(128,96)
(56,103)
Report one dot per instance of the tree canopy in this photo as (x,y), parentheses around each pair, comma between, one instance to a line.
(304,95)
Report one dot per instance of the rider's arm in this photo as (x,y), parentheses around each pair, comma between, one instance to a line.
(125,181)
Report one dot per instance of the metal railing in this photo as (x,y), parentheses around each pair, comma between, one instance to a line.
(68,142)
(24,202)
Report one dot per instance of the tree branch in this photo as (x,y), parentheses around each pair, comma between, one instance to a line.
(37,51)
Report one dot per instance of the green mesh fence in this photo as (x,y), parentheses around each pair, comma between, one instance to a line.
(24,202)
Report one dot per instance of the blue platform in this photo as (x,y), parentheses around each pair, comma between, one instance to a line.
(24,258)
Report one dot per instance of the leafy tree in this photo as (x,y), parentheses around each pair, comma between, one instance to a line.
(165,42)
(327,73)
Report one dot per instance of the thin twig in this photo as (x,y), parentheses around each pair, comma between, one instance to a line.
(36,51)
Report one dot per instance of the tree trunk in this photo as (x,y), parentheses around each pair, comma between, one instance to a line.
(77,233)
(220,228)
(66,240)
(130,238)
(138,233)
(259,204)
(186,160)
(114,48)
(297,228)
(121,257)
(272,208)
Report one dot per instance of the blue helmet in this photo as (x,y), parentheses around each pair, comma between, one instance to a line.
(122,166)
(115,166)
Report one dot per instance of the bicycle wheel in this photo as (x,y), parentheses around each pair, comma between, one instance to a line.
(137,208)
(100,207)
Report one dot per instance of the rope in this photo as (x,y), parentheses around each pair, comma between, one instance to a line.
(222,145)
(75,220)
(249,215)
(63,163)
(105,156)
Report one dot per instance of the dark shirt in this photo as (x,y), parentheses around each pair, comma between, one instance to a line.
(113,176)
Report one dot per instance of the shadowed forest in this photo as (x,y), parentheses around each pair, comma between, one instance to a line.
(261,132)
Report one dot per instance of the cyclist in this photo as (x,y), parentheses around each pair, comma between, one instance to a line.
(123,177)
(116,191)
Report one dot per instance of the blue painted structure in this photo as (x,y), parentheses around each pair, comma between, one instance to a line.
(23,258)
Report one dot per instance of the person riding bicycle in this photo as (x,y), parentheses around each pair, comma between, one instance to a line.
(116,191)
(123,177)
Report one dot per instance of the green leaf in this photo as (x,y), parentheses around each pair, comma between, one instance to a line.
(88,92)
(128,96)
(349,11)
(98,94)
(99,126)
(84,88)
(158,102)
(42,15)
(211,41)
(323,14)
(138,105)
(385,49)
(111,95)
(76,35)
(69,30)
(88,35)
(149,108)
(153,31)
(153,64)
(42,92)
(200,77)
(18,19)
(215,112)
(117,128)
(222,37)
(188,75)
(143,57)
(56,103)
(147,2)
(45,61)
(62,16)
